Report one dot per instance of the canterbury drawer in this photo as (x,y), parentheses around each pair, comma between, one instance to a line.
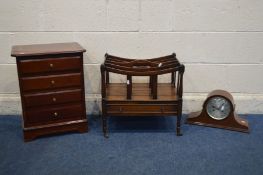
(50,115)
(51,82)
(52,98)
(147,109)
(49,65)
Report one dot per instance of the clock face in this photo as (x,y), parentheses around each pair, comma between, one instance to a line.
(218,108)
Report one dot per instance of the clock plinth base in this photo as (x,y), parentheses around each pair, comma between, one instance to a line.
(234,123)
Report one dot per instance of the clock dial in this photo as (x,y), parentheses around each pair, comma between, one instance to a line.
(218,108)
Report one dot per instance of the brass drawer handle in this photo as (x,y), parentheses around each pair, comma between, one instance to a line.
(52,82)
(54,99)
(55,114)
(51,65)
(120,109)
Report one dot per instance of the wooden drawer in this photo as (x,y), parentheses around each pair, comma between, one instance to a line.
(49,65)
(51,82)
(46,115)
(52,98)
(142,109)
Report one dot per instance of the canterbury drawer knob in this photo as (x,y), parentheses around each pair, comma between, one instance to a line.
(51,65)
(54,99)
(52,81)
(55,114)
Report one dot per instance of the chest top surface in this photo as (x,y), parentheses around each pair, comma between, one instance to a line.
(46,49)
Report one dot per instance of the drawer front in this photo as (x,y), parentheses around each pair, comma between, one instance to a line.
(51,82)
(49,65)
(142,109)
(59,97)
(47,115)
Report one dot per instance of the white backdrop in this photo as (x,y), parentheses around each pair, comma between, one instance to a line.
(220,42)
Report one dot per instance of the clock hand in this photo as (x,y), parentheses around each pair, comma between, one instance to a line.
(214,107)
(222,107)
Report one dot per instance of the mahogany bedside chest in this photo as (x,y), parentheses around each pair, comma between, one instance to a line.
(52,89)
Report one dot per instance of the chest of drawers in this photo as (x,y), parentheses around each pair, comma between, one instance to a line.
(52,89)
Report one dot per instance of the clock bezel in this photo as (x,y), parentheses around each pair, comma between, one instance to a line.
(223,94)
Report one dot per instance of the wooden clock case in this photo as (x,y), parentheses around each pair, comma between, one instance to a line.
(231,122)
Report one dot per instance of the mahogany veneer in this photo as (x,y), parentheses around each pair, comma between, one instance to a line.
(52,89)
(142,99)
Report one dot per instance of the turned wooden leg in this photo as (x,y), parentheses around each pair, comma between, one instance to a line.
(104,120)
(178,124)
(104,126)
